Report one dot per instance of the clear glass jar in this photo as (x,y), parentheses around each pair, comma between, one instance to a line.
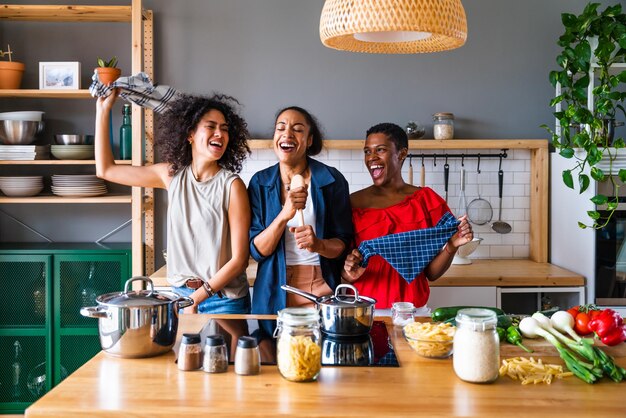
(190,353)
(247,356)
(476,346)
(215,354)
(299,350)
(402,313)
(443,127)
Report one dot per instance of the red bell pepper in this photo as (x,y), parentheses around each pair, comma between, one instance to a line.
(608,326)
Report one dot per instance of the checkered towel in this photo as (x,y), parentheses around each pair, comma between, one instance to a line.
(410,252)
(137,89)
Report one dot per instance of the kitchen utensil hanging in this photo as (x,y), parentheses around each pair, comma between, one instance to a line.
(500,226)
(411,170)
(479,210)
(462,206)
(446,176)
(423,174)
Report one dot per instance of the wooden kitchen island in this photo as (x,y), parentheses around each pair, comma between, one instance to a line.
(154,387)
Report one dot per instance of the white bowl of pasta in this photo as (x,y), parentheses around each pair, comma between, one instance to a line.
(430,340)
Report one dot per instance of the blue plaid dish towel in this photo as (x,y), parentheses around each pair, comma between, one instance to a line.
(137,89)
(410,252)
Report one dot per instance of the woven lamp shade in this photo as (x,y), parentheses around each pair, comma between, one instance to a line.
(393,26)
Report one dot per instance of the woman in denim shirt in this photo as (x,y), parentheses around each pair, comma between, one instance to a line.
(308,257)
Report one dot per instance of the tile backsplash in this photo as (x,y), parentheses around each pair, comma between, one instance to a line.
(516,190)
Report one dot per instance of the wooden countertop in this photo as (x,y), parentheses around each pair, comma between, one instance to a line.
(111,387)
(482,272)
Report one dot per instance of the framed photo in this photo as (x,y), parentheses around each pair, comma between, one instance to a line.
(59,75)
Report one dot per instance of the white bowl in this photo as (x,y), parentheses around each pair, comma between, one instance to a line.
(462,254)
(21,191)
(30,115)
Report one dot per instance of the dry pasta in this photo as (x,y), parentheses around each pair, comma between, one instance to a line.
(429,339)
(299,357)
(529,370)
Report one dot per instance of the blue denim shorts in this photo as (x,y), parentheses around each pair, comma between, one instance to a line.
(217,305)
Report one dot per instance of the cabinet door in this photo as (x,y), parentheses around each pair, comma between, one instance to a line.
(79,280)
(460,296)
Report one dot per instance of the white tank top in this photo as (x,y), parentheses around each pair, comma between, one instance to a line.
(293,254)
(198,238)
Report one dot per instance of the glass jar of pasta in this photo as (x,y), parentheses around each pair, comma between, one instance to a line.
(299,351)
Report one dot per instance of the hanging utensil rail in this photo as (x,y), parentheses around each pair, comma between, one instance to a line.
(445,156)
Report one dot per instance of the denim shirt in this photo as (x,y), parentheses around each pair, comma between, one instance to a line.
(331,202)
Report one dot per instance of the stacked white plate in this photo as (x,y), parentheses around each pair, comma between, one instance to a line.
(78,185)
(24,152)
(73,152)
(21,186)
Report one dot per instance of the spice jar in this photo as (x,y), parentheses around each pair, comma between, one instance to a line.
(247,356)
(190,352)
(215,354)
(443,127)
(476,346)
(402,313)
(299,351)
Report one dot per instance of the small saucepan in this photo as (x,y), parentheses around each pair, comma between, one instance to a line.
(342,314)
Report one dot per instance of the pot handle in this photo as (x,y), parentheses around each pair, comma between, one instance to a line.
(184,302)
(347,286)
(306,295)
(139,278)
(94,312)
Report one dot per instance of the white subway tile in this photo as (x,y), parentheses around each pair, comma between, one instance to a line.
(520,251)
(501,251)
(513,239)
(521,202)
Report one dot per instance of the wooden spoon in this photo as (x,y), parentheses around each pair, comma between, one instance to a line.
(296,182)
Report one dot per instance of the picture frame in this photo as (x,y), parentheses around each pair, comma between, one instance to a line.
(59,75)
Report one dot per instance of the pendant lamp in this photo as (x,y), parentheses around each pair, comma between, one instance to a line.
(393,26)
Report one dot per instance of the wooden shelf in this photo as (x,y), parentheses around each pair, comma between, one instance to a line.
(65,13)
(426,144)
(57,162)
(46,94)
(109,198)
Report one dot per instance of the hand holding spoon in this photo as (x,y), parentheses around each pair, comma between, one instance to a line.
(296,182)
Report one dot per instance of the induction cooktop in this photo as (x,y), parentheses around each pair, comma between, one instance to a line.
(372,350)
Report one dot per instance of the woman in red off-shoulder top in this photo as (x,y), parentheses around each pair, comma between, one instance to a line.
(391,206)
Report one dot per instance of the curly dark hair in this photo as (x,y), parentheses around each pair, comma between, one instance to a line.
(314,126)
(182,117)
(395,133)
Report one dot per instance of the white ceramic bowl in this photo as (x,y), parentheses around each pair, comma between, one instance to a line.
(29,115)
(462,254)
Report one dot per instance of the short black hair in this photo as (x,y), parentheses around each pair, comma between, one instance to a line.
(182,117)
(314,126)
(395,133)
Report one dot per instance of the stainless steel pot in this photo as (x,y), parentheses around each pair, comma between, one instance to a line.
(139,323)
(342,314)
(357,351)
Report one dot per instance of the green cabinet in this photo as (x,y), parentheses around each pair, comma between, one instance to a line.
(43,337)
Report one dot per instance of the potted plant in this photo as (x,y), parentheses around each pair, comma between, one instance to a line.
(593,41)
(108,71)
(11,72)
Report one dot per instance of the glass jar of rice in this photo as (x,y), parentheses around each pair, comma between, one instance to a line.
(476,346)
(299,351)
(443,127)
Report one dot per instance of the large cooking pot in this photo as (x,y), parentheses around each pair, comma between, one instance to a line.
(139,323)
(355,351)
(342,314)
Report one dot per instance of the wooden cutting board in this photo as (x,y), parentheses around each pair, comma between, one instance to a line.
(542,347)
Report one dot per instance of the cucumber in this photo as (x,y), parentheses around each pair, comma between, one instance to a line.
(449,312)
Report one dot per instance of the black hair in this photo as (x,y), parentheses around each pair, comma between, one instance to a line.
(314,127)
(182,117)
(395,133)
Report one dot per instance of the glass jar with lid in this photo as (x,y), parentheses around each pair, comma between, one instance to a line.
(476,346)
(443,127)
(299,351)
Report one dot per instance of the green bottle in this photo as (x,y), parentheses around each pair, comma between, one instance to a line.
(126,135)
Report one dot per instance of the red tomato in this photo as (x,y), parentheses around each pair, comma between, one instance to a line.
(594,313)
(573,311)
(582,324)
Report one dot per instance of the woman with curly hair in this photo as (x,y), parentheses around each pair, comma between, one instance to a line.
(202,142)
(310,256)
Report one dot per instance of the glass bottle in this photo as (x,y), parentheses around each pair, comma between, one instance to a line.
(215,354)
(16,369)
(126,134)
(299,351)
(443,127)
(39,295)
(476,346)
(87,294)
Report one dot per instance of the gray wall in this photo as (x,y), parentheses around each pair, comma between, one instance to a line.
(267,53)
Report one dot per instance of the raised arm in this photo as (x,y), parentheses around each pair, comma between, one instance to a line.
(155,175)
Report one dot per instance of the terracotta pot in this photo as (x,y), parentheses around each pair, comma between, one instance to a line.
(107,75)
(11,73)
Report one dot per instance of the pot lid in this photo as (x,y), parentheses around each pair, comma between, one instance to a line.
(345,300)
(134,298)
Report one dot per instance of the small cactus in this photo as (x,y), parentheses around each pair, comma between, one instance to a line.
(112,63)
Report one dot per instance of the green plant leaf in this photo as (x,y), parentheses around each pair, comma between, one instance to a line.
(583,182)
(622,175)
(619,143)
(611,206)
(567,153)
(582,225)
(100,62)
(593,214)
(568,179)
(597,174)
(569,20)
(599,199)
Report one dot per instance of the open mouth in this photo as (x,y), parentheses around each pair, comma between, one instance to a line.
(287,146)
(216,144)
(376,170)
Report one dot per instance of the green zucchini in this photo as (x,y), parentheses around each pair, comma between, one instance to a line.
(449,312)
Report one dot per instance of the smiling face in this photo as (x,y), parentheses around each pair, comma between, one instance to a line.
(210,137)
(383,160)
(292,137)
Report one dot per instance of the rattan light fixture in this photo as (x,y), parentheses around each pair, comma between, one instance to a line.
(393,26)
